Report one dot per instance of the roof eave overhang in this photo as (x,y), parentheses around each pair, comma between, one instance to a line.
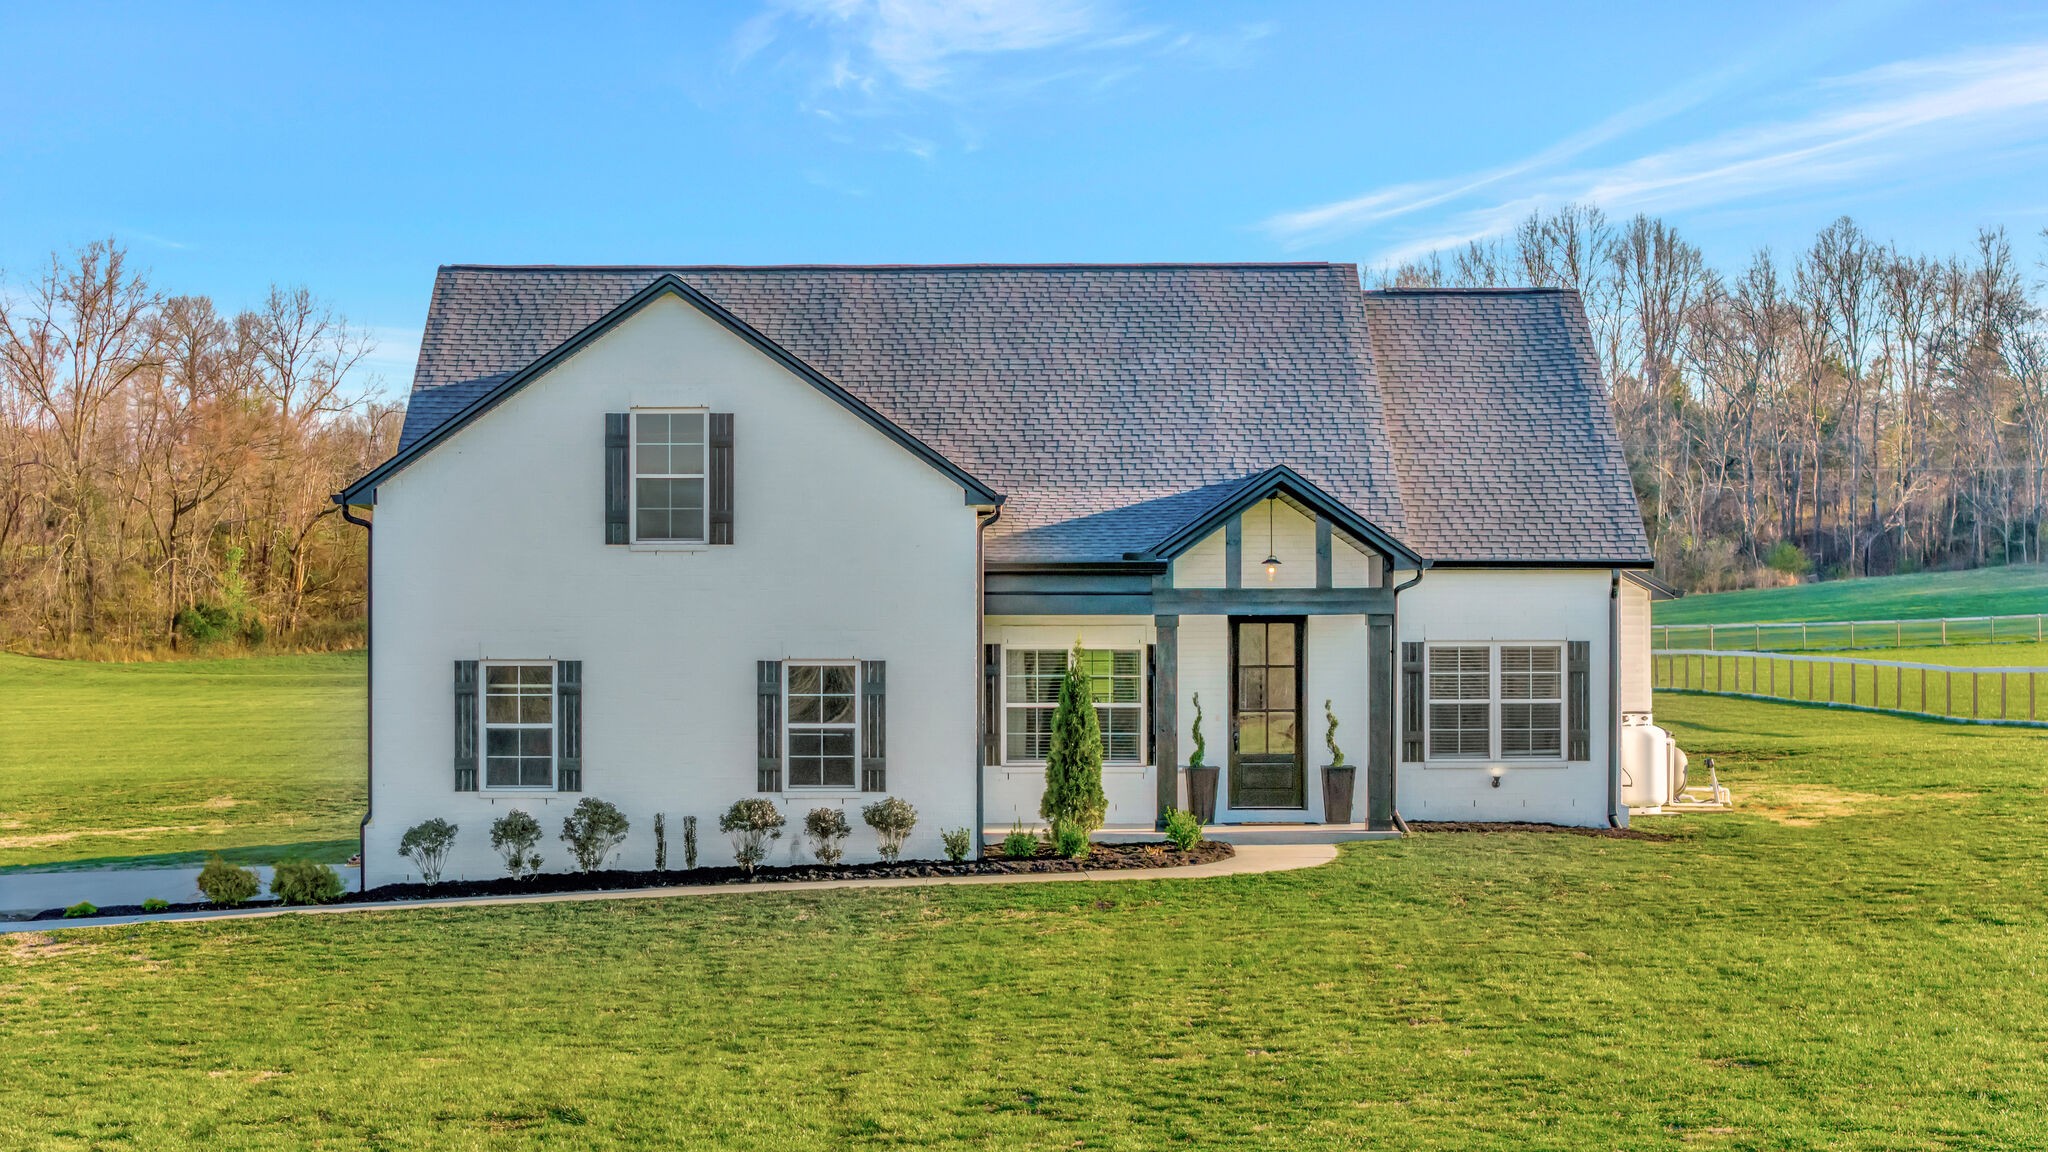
(1631,564)
(364,490)
(1281,479)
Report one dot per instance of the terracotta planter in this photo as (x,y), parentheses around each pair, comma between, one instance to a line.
(1338,785)
(1202,793)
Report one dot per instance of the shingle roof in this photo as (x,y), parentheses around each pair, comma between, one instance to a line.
(1110,404)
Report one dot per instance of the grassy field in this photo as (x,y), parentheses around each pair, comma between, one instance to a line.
(1853,960)
(252,757)
(1927,595)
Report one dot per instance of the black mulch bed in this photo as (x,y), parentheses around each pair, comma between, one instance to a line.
(1528,826)
(1101,858)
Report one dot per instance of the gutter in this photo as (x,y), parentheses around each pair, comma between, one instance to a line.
(1394,666)
(981,522)
(1614,700)
(369,694)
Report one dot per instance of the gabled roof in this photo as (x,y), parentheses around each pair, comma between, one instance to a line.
(1282,481)
(483,400)
(1113,404)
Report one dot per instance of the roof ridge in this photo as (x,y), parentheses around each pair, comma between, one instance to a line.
(1472,290)
(1054,266)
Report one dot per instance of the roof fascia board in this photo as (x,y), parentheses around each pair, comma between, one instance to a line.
(666,285)
(1277,480)
(1626,565)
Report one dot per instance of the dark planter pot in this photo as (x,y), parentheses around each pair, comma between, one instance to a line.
(1338,785)
(1202,793)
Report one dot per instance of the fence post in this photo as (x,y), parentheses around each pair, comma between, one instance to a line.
(1944,629)
(1897,635)
(1710,638)
(1852,644)
(1759,637)
(1803,645)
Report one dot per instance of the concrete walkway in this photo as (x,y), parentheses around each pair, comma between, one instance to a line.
(1250,858)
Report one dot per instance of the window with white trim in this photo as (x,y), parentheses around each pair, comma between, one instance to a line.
(519,725)
(1495,701)
(1031,691)
(668,476)
(822,704)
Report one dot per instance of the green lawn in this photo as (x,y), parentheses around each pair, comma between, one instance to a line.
(252,757)
(1922,596)
(1858,958)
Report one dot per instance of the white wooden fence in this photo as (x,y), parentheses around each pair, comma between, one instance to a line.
(1809,635)
(2017,695)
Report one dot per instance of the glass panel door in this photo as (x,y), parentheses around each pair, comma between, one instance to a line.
(1265,752)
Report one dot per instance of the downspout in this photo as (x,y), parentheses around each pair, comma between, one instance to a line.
(369,695)
(1394,666)
(981,522)
(1614,700)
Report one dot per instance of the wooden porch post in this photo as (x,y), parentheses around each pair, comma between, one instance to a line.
(1379,757)
(1166,713)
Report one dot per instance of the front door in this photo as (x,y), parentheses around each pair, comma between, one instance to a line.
(1265,712)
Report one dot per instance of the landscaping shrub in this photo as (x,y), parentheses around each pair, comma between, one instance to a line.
(155,905)
(1182,829)
(1069,840)
(958,844)
(223,883)
(593,831)
(513,836)
(751,823)
(826,828)
(82,908)
(689,841)
(1020,845)
(1786,557)
(660,843)
(297,881)
(426,844)
(892,819)
(1073,762)
(1330,737)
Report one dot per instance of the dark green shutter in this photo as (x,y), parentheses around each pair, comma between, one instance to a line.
(465,725)
(768,694)
(721,478)
(874,726)
(1412,726)
(618,436)
(1578,681)
(992,704)
(569,725)
(1151,715)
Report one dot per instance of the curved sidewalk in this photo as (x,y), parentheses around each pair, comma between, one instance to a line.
(1249,859)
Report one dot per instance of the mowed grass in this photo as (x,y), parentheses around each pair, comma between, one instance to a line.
(254,757)
(1858,958)
(1975,682)
(1920,596)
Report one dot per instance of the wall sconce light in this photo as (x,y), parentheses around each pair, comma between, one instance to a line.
(1496,772)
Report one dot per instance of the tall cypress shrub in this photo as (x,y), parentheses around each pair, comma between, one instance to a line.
(1073,765)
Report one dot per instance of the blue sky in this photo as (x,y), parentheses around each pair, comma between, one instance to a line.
(354,148)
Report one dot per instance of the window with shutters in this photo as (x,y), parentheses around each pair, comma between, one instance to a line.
(669,458)
(821,704)
(1495,701)
(519,725)
(1031,690)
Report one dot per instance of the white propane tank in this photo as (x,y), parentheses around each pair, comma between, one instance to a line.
(1645,766)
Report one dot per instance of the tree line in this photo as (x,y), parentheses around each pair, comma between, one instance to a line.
(165,468)
(1851,407)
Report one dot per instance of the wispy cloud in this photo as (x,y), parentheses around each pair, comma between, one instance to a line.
(1885,122)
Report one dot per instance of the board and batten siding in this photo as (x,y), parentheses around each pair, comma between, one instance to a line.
(1293,542)
(847,547)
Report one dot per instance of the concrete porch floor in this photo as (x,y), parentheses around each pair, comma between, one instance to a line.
(1230,833)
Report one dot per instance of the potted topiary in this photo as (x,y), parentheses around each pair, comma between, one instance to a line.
(1201,777)
(1339,779)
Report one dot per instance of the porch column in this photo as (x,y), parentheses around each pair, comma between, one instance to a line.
(1166,713)
(1379,756)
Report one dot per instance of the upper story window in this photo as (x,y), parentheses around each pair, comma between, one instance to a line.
(668,476)
(519,725)
(1116,680)
(1496,700)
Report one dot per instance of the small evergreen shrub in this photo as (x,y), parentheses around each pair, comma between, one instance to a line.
(958,843)
(1201,745)
(297,881)
(1785,557)
(513,836)
(82,908)
(594,831)
(751,823)
(1073,761)
(1069,840)
(1330,737)
(223,883)
(1182,829)
(689,841)
(827,829)
(660,843)
(892,818)
(155,905)
(1020,845)
(426,844)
